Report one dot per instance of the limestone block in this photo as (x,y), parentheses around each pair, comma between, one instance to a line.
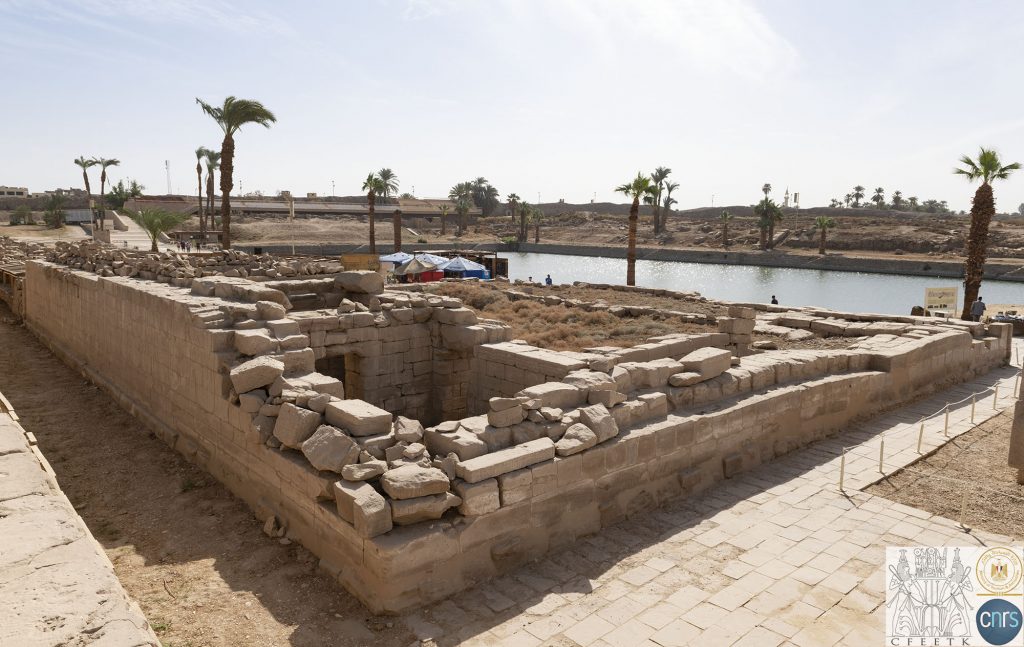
(319,402)
(295,425)
(709,362)
(360,281)
(358,417)
(506,417)
(515,486)
(252,401)
(623,380)
(590,381)
(299,361)
(263,428)
(742,312)
(329,448)
(424,508)
(555,394)
(478,498)
(462,443)
(294,342)
(551,413)
(363,507)
(254,342)
(458,316)
(600,421)
(607,398)
(685,379)
(501,404)
(376,445)
(736,326)
(408,430)
(269,310)
(603,364)
(506,460)
(411,481)
(524,432)
(577,438)
(256,373)
(656,403)
(363,471)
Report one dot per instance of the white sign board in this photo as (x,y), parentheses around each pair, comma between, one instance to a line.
(940,299)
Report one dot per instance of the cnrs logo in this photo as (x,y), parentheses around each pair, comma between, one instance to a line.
(999,621)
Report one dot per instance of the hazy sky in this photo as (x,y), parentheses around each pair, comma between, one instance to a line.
(566,98)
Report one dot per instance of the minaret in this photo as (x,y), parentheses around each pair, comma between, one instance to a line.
(785,199)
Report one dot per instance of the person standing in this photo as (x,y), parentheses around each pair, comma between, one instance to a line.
(978,309)
(775,301)
(547,281)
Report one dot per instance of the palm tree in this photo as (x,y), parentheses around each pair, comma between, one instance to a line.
(666,203)
(513,199)
(659,176)
(833,203)
(396,221)
(858,195)
(104,163)
(536,217)
(201,154)
(524,214)
(988,168)
(637,188)
(390,180)
(848,198)
(212,166)
(85,164)
(766,217)
(231,116)
(912,202)
(444,219)
(897,199)
(879,197)
(725,218)
(462,195)
(823,224)
(158,221)
(768,213)
(373,186)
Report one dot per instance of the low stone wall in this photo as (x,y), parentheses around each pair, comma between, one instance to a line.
(403,514)
(58,587)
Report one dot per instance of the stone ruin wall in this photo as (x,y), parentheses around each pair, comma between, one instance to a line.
(403,514)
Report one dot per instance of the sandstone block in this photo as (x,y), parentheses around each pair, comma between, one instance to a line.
(478,498)
(358,417)
(295,425)
(458,316)
(254,342)
(408,430)
(256,373)
(742,312)
(507,417)
(590,381)
(501,404)
(411,481)
(462,443)
(515,486)
(269,311)
(329,448)
(360,281)
(363,507)
(424,508)
(577,438)
(600,421)
(606,398)
(376,445)
(709,362)
(555,394)
(685,379)
(252,401)
(506,460)
(363,471)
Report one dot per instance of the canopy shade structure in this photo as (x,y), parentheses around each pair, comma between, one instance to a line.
(439,261)
(460,264)
(415,266)
(398,258)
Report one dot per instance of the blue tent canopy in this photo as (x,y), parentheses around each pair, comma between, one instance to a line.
(397,258)
(439,261)
(460,264)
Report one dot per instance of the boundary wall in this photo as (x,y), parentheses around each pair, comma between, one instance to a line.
(403,515)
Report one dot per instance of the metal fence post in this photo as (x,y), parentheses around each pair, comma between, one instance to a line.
(972,408)
(963,508)
(920,436)
(842,469)
(995,396)
(881,452)
(945,426)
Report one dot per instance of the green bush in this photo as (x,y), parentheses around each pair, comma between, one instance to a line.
(22,215)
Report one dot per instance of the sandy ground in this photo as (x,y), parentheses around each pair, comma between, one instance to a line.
(37,231)
(976,460)
(187,550)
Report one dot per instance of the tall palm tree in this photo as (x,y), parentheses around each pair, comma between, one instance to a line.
(462,195)
(396,222)
(637,189)
(103,163)
(823,224)
(201,154)
(725,218)
(667,202)
(524,213)
(212,166)
(390,182)
(848,198)
(858,195)
(912,202)
(766,217)
(86,164)
(513,199)
(988,168)
(658,177)
(444,219)
(897,199)
(231,116)
(879,197)
(374,186)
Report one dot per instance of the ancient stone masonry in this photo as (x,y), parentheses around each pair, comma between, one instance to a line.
(417,450)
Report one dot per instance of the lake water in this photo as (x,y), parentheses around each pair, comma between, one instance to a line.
(851,291)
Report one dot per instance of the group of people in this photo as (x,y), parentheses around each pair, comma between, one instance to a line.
(189,246)
(547,280)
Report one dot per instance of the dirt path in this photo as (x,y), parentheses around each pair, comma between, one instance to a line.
(188,551)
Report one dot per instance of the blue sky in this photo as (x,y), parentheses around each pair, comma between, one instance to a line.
(565,98)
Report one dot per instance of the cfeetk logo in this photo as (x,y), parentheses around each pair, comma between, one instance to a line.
(966,596)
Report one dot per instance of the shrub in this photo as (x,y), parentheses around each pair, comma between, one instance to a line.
(22,215)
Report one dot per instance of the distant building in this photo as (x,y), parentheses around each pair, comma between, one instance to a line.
(13,192)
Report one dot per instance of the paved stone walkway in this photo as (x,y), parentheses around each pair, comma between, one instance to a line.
(776,556)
